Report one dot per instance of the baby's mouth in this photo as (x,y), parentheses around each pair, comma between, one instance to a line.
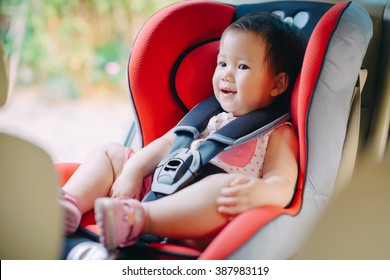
(228,91)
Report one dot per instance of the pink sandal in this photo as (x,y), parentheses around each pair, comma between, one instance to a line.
(71,211)
(120,221)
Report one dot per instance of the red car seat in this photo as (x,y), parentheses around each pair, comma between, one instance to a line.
(172,62)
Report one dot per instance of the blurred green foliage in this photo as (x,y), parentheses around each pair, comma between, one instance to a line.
(77,46)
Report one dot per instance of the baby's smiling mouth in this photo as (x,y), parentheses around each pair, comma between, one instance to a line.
(228,91)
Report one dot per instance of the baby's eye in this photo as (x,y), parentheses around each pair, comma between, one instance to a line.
(221,64)
(243,67)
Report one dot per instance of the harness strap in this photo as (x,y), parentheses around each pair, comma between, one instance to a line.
(194,122)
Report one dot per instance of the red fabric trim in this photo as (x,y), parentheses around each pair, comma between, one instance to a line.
(65,171)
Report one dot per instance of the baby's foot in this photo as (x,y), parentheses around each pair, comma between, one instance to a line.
(120,221)
(71,211)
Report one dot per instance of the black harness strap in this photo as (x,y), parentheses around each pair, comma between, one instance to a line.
(194,122)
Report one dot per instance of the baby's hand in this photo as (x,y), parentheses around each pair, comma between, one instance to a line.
(239,196)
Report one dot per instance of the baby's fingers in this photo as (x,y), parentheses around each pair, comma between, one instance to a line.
(230,210)
(228,206)
(227,201)
(230,191)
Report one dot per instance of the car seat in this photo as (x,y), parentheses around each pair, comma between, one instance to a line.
(173,60)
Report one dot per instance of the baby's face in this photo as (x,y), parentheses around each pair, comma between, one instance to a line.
(242,81)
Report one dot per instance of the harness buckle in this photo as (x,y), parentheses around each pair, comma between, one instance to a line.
(176,171)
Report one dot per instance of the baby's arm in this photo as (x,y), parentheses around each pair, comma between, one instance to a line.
(278,182)
(140,165)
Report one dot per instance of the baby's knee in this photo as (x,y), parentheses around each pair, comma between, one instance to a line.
(112,150)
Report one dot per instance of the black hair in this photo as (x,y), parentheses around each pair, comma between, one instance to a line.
(285,46)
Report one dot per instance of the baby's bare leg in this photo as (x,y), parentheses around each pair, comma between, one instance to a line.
(189,213)
(96,175)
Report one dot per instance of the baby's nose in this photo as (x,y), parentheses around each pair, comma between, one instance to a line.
(228,77)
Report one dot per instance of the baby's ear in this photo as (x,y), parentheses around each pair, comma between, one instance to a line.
(280,84)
